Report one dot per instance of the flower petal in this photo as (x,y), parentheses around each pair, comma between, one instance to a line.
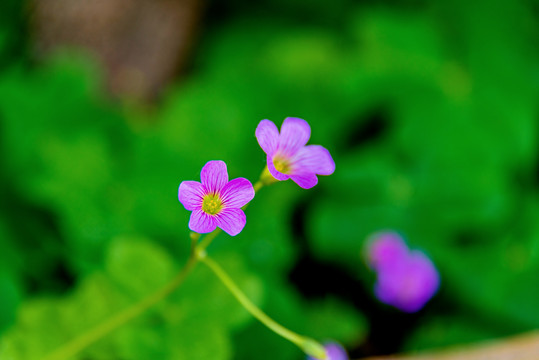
(295,133)
(314,158)
(231,221)
(422,268)
(335,352)
(214,175)
(190,194)
(237,193)
(306,180)
(276,174)
(201,222)
(386,250)
(268,136)
(410,284)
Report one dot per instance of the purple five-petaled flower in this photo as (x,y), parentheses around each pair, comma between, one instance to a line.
(288,156)
(334,351)
(406,279)
(216,202)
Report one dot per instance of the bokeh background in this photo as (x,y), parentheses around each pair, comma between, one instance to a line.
(429,109)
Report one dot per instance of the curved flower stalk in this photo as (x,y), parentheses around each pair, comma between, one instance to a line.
(334,351)
(406,279)
(288,156)
(216,202)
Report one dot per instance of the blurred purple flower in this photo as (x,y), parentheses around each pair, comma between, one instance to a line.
(386,249)
(406,279)
(334,351)
(288,156)
(216,202)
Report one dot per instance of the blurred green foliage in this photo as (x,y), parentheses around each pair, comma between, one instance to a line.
(430,112)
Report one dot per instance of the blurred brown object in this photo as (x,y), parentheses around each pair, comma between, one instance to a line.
(142,44)
(521,347)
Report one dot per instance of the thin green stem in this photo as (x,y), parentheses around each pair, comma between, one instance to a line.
(206,240)
(258,185)
(310,346)
(194,241)
(76,345)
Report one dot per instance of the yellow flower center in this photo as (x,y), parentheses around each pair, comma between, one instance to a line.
(212,204)
(281,165)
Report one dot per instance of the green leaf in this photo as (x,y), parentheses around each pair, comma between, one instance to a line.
(138,265)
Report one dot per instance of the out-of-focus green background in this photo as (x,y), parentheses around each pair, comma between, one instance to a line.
(430,111)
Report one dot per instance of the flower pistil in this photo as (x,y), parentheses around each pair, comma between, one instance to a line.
(281,164)
(212,204)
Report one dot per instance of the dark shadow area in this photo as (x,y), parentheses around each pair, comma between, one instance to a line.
(38,233)
(369,127)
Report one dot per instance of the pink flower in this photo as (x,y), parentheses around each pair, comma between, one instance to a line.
(288,156)
(406,279)
(216,202)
